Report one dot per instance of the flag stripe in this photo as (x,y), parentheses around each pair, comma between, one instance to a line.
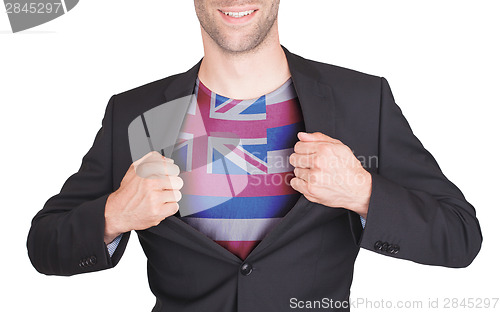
(279,138)
(236,207)
(240,248)
(244,185)
(279,161)
(233,229)
(257,128)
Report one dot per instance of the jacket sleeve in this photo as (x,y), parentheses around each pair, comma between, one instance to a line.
(415,212)
(67,236)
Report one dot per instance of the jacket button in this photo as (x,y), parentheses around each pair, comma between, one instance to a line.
(390,249)
(93,260)
(246,269)
(395,249)
(83,263)
(384,246)
(378,245)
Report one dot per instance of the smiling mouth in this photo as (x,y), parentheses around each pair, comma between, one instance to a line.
(239,14)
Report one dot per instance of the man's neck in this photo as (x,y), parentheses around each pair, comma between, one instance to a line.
(244,76)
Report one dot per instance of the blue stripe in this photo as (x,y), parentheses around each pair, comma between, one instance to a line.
(258,107)
(222,165)
(180,157)
(241,207)
(219,99)
(283,137)
(257,150)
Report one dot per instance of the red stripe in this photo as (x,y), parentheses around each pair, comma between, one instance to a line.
(198,182)
(240,248)
(227,107)
(278,115)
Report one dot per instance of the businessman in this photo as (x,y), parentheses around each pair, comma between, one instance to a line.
(253,179)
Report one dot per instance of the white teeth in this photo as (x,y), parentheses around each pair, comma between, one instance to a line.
(239,14)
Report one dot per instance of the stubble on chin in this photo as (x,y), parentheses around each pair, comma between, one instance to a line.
(247,44)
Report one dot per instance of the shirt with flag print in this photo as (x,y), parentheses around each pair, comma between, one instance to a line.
(234,161)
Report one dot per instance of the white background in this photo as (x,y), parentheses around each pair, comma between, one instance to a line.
(441,59)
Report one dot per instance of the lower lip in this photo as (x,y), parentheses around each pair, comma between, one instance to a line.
(237,20)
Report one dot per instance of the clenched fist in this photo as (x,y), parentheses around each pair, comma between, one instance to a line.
(327,172)
(148,193)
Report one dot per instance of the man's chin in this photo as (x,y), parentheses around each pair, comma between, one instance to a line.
(239,47)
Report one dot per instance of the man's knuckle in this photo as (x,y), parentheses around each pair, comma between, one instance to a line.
(177,182)
(172,208)
(173,169)
(177,195)
(297,146)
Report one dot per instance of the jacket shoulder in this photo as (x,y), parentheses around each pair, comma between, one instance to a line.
(342,76)
(132,103)
(153,90)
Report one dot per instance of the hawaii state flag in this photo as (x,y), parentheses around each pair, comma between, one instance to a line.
(233,156)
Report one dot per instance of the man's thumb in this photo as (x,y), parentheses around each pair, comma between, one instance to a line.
(316,136)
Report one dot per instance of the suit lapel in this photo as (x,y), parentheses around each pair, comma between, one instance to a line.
(182,84)
(158,128)
(315,97)
(318,108)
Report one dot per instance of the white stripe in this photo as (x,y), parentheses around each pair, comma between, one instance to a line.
(192,106)
(63,3)
(284,93)
(233,229)
(220,105)
(234,113)
(189,143)
(253,141)
(219,144)
(279,161)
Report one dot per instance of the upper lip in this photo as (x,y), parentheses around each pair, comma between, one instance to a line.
(238,9)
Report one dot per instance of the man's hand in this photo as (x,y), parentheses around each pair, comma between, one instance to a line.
(327,172)
(148,193)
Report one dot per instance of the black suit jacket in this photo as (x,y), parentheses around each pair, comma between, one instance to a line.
(415,212)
